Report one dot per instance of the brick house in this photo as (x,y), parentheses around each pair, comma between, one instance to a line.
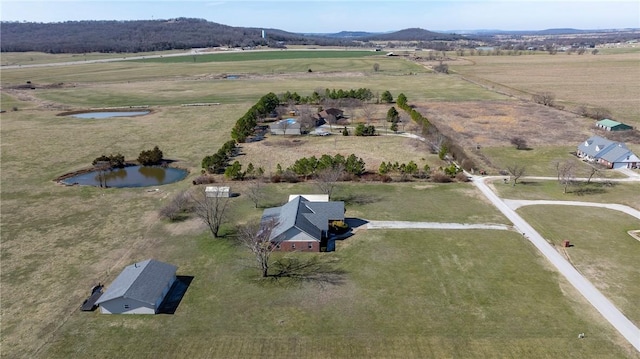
(303,225)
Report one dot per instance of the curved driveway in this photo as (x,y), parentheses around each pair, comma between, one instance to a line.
(609,311)
(517,203)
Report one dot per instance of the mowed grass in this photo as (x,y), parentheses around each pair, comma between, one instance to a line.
(607,80)
(602,249)
(405,294)
(264,55)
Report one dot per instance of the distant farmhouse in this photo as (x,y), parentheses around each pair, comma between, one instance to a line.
(287,126)
(608,153)
(291,126)
(139,289)
(611,125)
(303,224)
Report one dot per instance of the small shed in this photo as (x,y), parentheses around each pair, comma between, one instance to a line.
(215,191)
(611,125)
(139,289)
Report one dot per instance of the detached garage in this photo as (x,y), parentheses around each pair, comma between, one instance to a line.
(139,289)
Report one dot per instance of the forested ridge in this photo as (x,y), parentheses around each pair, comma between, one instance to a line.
(142,36)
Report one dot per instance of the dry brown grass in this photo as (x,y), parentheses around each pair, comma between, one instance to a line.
(603,80)
(493,123)
(373,150)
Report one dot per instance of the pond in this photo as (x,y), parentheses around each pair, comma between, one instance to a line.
(132,176)
(100,115)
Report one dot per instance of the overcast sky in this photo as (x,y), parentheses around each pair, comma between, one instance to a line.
(352,15)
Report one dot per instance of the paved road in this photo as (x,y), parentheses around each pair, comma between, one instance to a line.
(517,203)
(433,225)
(609,311)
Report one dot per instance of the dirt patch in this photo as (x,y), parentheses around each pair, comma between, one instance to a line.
(186,227)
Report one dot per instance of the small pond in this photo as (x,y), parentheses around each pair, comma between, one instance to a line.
(132,176)
(100,115)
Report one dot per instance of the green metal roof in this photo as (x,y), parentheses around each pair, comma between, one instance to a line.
(608,123)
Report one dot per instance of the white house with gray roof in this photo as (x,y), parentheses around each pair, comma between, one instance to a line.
(138,289)
(303,225)
(609,153)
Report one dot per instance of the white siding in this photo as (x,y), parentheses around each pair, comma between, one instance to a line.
(117,306)
(295,235)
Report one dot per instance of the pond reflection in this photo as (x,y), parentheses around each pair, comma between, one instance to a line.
(132,176)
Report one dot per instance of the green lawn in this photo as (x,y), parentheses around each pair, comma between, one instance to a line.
(602,250)
(405,294)
(264,55)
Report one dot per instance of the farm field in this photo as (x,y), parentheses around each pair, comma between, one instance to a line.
(607,80)
(401,293)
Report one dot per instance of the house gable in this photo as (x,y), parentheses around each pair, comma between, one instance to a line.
(302,220)
(140,285)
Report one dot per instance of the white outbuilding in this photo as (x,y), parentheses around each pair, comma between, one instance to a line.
(220,191)
(139,289)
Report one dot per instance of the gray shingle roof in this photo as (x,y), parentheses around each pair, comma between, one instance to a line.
(610,151)
(143,281)
(309,217)
(595,146)
(616,153)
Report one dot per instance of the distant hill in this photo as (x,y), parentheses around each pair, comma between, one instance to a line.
(349,34)
(142,36)
(181,33)
(414,34)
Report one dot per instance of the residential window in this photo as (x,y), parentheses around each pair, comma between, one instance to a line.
(126,306)
(310,245)
(278,246)
(293,246)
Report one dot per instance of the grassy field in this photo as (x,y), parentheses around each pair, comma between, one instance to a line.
(539,161)
(605,80)
(402,294)
(606,254)
(37,58)
(265,55)
(467,294)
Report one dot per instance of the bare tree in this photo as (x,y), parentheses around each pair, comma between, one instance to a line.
(519,142)
(281,111)
(367,111)
(307,121)
(566,174)
(593,171)
(102,167)
(327,179)
(255,191)
(544,98)
(257,238)
(178,204)
(211,209)
(516,171)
